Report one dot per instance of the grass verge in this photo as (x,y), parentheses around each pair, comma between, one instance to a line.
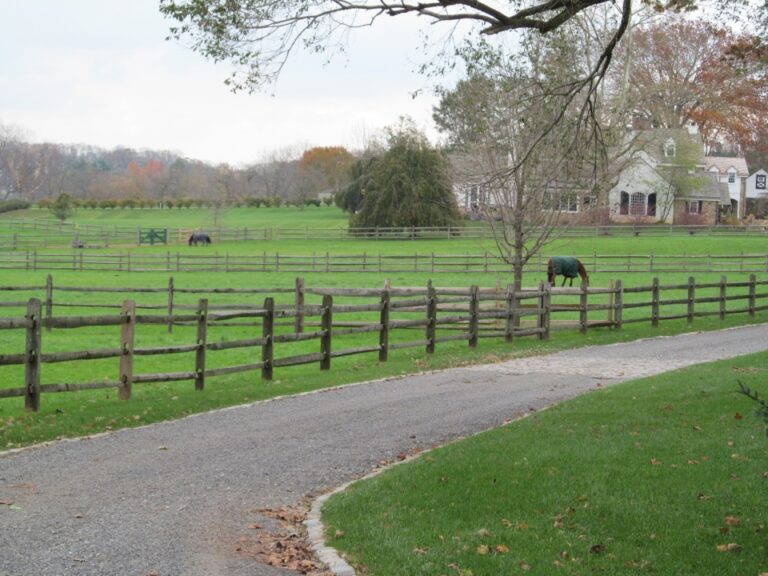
(665,475)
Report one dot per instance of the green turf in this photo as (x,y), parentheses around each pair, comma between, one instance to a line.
(664,475)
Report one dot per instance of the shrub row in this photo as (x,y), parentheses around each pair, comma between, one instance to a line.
(252,202)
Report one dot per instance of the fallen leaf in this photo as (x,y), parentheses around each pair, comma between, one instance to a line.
(731,547)
(482,550)
(597,549)
(502,549)
(420,551)
(339,534)
(732,521)
(738,416)
(655,462)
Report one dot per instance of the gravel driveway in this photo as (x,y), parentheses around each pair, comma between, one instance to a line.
(173,499)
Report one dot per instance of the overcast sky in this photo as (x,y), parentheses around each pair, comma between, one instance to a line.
(100,72)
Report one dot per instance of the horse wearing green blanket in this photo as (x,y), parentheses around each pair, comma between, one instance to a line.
(567,267)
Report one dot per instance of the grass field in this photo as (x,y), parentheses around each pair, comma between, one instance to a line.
(646,478)
(332,217)
(72,414)
(664,475)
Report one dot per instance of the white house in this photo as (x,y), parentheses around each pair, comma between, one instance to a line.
(733,172)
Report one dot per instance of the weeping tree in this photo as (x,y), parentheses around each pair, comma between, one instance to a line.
(408,184)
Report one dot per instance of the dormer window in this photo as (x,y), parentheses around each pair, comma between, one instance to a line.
(669,148)
(731,177)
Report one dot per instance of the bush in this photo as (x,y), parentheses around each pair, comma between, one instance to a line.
(11,205)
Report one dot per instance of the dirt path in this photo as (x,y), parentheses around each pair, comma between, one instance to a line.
(175,499)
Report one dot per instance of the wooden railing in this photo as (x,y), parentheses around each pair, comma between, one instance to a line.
(29,234)
(442,315)
(206,259)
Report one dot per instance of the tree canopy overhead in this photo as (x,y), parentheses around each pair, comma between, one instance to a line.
(258,36)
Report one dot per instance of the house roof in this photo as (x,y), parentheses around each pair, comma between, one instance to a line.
(654,141)
(725,163)
(712,190)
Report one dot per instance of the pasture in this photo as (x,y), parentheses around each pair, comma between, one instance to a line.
(88,412)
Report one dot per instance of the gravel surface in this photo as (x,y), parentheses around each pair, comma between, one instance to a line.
(175,498)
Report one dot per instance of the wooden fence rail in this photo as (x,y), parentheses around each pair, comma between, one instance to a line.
(29,234)
(470,314)
(206,260)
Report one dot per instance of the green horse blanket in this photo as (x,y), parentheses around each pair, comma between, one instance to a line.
(565,266)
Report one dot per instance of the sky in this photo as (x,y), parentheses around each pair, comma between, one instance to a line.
(100,72)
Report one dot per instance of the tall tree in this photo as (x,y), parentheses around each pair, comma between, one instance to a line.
(326,168)
(408,185)
(525,146)
(688,71)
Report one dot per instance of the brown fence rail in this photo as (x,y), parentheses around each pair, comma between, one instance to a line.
(486,262)
(29,234)
(439,314)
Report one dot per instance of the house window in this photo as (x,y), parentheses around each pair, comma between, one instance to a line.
(624,204)
(731,177)
(561,201)
(651,205)
(760,182)
(669,148)
(637,204)
(693,207)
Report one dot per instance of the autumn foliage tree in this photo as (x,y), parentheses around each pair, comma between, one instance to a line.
(690,71)
(325,169)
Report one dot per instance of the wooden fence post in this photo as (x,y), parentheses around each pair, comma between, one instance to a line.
(474,309)
(170,304)
(583,303)
(611,304)
(691,298)
(298,325)
(723,286)
(48,300)
(384,332)
(431,317)
(751,300)
(655,303)
(202,340)
(267,348)
(618,305)
(509,325)
(32,357)
(545,309)
(127,338)
(326,321)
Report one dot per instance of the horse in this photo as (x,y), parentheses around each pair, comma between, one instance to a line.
(567,267)
(198,237)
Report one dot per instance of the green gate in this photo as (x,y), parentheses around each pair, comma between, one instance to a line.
(153,236)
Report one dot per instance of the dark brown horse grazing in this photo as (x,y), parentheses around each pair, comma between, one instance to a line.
(199,238)
(567,267)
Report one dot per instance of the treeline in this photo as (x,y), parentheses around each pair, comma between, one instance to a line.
(123,177)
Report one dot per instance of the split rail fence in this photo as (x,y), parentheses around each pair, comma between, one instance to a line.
(440,315)
(209,261)
(21,234)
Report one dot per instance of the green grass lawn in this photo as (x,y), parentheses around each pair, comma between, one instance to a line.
(665,475)
(332,217)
